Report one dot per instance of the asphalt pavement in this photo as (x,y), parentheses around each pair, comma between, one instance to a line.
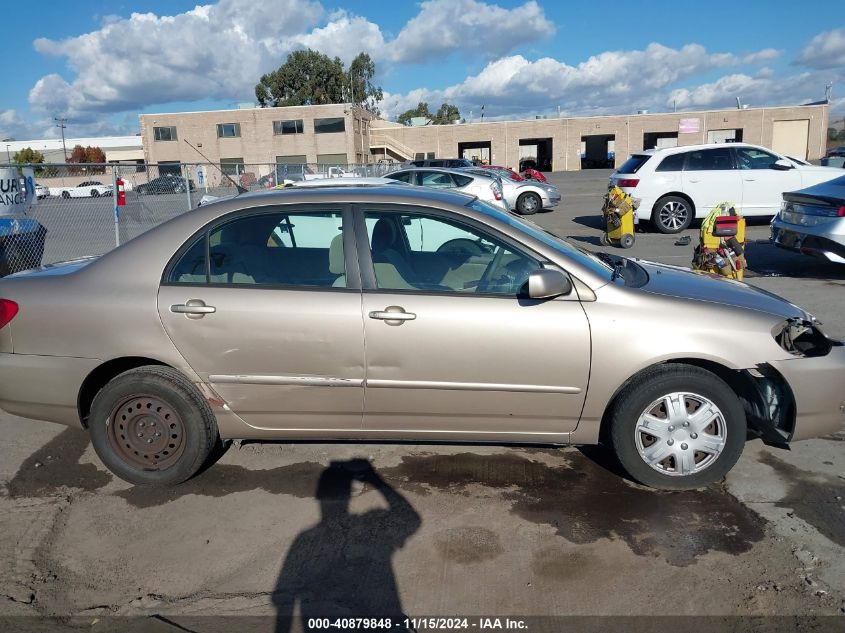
(439,530)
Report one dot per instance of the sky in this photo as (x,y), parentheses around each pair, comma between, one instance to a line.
(102,63)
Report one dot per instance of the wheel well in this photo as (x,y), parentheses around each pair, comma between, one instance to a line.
(740,382)
(676,194)
(98,379)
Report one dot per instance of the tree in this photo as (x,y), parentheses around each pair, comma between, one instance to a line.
(446,114)
(28,156)
(841,135)
(832,132)
(312,78)
(420,111)
(81,155)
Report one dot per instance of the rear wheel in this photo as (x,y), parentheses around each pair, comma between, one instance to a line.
(65,194)
(528,203)
(672,214)
(677,427)
(150,426)
(95,193)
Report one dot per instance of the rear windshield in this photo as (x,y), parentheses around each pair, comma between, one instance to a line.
(633,164)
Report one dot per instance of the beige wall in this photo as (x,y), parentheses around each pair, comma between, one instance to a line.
(257,143)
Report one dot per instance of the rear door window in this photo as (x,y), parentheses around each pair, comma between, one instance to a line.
(436,179)
(461,181)
(404,176)
(633,164)
(719,159)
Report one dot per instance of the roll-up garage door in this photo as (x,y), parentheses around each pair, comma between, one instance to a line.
(791,137)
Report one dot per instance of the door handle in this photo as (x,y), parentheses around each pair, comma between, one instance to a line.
(695,179)
(193,308)
(749,179)
(393,315)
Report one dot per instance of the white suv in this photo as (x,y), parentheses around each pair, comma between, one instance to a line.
(677,184)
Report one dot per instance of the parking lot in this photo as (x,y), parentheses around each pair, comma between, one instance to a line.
(440,530)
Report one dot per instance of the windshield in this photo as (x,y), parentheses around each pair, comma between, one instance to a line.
(583,257)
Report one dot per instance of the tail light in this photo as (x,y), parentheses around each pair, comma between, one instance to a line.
(497,190)
(841,211)
(8,310)
(628,182)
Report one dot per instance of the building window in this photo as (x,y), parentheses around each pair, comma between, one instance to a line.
(165,133)
(287,127)
(232,166)
(329,126)
(228,130)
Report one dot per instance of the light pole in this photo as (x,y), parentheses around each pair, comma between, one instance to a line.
(8,155)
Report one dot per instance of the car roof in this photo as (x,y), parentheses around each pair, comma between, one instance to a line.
(446,170)
(665,151)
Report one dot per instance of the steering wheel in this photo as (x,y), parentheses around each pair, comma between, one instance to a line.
(484,282)
(461,246)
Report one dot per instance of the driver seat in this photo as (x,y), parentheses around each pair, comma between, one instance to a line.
(392,270)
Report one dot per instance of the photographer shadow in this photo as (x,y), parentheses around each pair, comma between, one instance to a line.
(341,567)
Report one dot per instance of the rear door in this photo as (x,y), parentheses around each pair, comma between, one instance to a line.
(710,177)
(266,307)
(763,186)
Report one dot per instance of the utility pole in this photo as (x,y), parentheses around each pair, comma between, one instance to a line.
(61,124)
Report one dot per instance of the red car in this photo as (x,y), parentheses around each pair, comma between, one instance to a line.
(528,174)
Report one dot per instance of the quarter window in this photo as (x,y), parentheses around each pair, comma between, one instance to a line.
(404,176)
(432,254)
(287,127)
(164,133)
(710,160)
(277,249)
(228,130)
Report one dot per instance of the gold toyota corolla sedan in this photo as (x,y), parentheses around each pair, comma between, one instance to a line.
(401,313)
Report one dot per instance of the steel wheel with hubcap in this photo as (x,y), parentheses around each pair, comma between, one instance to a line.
(529,203)
(676,426)
(672,214)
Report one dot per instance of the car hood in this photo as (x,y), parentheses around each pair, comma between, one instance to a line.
(674,281)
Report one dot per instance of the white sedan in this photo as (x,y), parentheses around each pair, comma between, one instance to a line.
(87,189)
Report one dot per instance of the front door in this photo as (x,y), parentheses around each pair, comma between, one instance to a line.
(763,186)
(711,178)
(453,346)
(262,307)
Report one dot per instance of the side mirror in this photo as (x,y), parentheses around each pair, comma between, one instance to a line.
(782,165)
(547,283)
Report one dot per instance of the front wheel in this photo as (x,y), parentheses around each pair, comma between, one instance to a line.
(672,214)
(677,427)
(528,204)
(150,426)
(66,195)
(95,193)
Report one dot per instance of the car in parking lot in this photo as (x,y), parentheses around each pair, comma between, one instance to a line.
(447,163)
(486,186)
(524,197)
(812,221)
(166,183)
(41,191)
(87,189)
(249,316)
(678,184)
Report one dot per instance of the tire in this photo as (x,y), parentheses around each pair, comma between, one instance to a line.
(66,195)
(528,204)
(651,459)
(672,214)
(627,241)
(604,239)
(147,401)
(95,193)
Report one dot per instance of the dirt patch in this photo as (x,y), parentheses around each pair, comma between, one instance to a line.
(468,544)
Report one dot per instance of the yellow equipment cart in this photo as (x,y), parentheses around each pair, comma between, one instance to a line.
(721,249)
(618,212)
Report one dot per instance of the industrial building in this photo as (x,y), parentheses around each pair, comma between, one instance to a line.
(55,150)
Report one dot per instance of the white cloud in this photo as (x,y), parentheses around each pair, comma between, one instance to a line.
(825,50)
(443,26)
(756,91)
(345,36)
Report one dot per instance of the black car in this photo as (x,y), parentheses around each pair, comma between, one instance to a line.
(168,183)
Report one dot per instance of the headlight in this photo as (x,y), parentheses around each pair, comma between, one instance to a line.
(802,337)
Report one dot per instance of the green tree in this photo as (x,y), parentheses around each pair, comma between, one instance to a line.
(446,114)
(312,78)
(420,111)
(832,132)
(841,135)
(28,156)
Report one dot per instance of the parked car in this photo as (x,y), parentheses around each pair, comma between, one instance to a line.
(504,171)
(677,184)
(835,151)
(87,189)
(41,191)
(486,187)
(166,183)
(446,163)
(479,326)
(812,221)
(533,174)
(524,197)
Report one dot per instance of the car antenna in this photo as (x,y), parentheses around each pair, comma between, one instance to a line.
(217,167)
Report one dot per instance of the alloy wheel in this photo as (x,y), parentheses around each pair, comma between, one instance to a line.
(673,215)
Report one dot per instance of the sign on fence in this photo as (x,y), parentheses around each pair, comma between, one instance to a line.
(12,195)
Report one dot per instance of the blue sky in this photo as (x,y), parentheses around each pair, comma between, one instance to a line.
(100,67)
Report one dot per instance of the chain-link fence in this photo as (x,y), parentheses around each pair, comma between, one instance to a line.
(55,213)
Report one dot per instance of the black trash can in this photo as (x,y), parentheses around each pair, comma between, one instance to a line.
(21,244)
